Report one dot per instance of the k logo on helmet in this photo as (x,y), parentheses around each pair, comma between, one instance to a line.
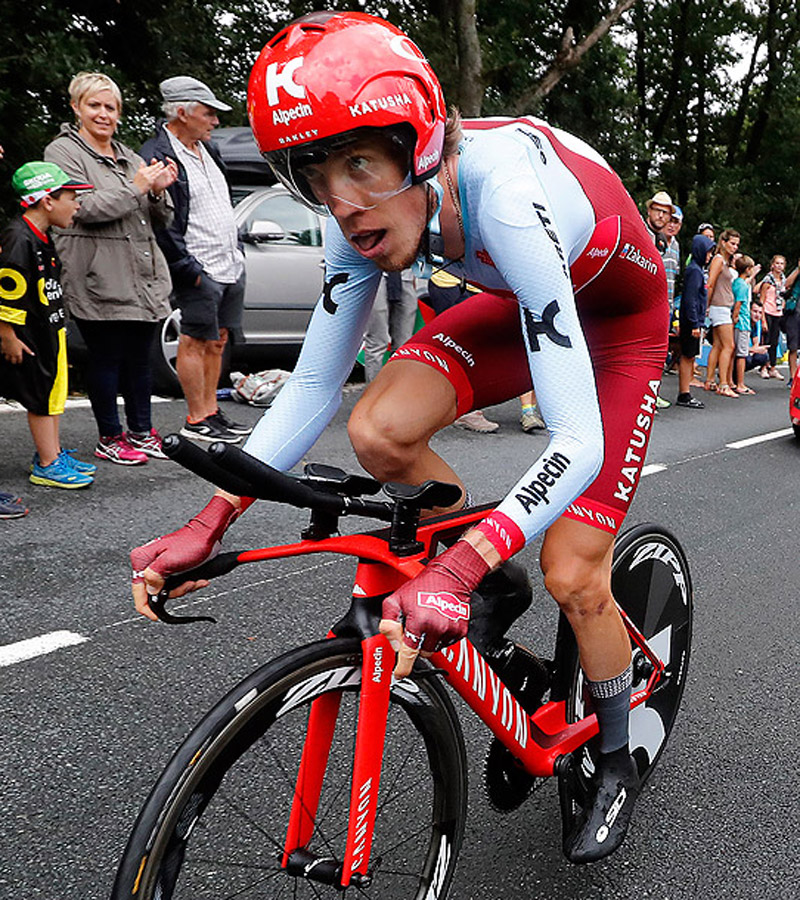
(284,79)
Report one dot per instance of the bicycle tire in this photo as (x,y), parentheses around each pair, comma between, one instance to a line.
(651,581)
(215,822)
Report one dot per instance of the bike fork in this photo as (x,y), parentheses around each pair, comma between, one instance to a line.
(376,679)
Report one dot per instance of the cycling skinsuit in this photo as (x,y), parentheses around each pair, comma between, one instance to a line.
(574,301)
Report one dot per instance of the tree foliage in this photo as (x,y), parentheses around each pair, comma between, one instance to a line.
(702,99)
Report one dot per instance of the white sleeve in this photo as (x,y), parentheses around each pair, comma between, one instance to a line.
(522,239)
(313,392)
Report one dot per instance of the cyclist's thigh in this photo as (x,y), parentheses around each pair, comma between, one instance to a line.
(477,346)
(407,401)
(625,317)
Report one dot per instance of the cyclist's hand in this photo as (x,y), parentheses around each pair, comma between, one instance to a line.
(432,610)
(179,551)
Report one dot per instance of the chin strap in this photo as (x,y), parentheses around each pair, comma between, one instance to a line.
(432,245)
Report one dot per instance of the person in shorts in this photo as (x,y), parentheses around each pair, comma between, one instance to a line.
(742,294)
(202,249)
(33,343)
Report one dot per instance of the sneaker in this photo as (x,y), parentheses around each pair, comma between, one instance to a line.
(602,826)
(764,373)
(11,507)
(117,450)
(59,474)
(85,468)
(210,429)
(220,418)
(530,421)
(774,373)
(661,403)
(690,402)
(476,421)
(146,442)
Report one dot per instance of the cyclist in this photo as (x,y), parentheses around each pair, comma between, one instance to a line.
(352,119)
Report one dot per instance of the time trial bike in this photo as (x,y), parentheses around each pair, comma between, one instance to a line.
(322,775)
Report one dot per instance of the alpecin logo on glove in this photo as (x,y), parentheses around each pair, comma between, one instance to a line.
(445,603)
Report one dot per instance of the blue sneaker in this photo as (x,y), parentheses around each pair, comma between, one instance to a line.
(86,468)
(11,507)
(59,474)
(69,458)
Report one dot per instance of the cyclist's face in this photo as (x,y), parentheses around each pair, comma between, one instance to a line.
(381,214)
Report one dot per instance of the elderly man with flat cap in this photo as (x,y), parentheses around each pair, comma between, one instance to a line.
(203,252)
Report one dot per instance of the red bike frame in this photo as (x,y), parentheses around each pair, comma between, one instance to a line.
(537,740)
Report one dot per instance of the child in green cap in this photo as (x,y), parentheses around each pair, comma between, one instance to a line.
(33,348)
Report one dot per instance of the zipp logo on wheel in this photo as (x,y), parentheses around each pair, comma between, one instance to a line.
(445,603)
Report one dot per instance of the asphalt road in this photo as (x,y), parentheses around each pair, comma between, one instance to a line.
(86,728)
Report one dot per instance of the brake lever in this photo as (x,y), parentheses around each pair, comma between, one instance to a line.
(158,605)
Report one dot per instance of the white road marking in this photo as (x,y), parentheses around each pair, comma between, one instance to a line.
(38,646)
(760,438)
(652,469)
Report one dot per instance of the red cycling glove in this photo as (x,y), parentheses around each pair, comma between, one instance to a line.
(187,547)
(434,606)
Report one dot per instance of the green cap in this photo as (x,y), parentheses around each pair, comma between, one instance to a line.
(37,179)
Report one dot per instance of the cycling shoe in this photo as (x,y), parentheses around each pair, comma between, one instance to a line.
(603,824)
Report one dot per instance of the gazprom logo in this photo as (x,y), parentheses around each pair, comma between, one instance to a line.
(284,79)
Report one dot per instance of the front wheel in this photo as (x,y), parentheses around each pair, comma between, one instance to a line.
(215,824)
(651,582)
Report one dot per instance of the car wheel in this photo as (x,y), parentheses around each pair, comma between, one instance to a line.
(165,352)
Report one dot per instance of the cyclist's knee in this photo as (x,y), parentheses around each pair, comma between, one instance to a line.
(580,587)
(379,443)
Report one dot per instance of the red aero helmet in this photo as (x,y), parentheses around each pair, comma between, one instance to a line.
(329,73)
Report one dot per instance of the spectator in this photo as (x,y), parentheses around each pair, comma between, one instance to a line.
(692,316)
(720,312)
(11,507)
(33,359)
(116,281)
(202,250)
(394,314)
(672,255)
(742,293)
(660,209)
(707,229)
(771,293)
(791,319)
(757,355)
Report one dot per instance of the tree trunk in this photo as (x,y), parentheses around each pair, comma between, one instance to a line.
(569,57)
(737,123)
(470,64)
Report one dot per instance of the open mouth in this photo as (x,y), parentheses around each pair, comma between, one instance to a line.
(368,240)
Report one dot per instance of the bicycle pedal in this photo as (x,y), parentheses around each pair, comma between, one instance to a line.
(507,783)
